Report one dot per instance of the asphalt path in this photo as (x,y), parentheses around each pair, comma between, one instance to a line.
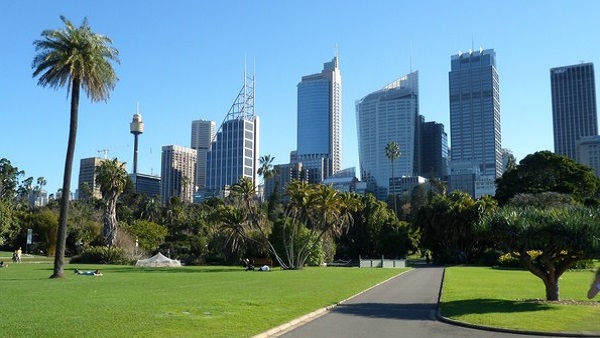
(405,306)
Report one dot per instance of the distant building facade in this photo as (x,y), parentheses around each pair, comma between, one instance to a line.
(319,136)
(589,152)
(233,153)
(573,107)
(178,170)
(389,115)
(203,133)
(146,184)
(87,178)
(434,150)
(475,131)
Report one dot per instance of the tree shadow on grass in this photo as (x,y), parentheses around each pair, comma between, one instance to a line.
(182,269)
(483,306)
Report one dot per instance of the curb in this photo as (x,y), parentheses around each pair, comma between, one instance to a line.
(283,328)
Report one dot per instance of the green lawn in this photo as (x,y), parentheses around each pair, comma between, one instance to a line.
(176,302)
(495,297)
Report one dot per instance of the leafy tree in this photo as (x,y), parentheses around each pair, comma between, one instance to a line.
(8,221)
(563,235)
(447,226)
(78,58)
(392,151)
(266,169)
(111,176)
(149,234)
(544,200)
(545,171)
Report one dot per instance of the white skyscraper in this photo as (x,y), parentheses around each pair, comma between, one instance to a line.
(388,115)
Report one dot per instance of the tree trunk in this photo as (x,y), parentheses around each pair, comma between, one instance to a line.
(61,237)
(552,289)
(109,230)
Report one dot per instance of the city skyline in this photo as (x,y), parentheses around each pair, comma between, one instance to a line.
(189,67)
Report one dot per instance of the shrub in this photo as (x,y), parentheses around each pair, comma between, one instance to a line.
(512,261)
(102,255)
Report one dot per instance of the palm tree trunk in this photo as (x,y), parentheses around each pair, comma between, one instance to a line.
(61,237)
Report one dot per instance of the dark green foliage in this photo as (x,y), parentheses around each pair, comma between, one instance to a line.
(545,171)
(448,227)
(559,237)
(102,255)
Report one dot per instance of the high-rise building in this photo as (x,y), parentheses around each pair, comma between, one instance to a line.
(87,178)
(589,152)
(234,151)
(475,122)
(146,184)
(203,133)
(320,118)
(178,170)
(434,150)
(388,115)
(573,107)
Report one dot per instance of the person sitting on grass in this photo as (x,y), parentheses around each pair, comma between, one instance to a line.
(595,287)
(2,265)
(88,273)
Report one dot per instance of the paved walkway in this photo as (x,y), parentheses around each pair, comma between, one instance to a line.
(404,306)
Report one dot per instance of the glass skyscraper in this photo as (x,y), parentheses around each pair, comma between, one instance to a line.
(573,107)
(475,122)
(233,153)
(319,137)
(388,115)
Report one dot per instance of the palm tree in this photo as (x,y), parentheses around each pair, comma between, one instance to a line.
(77,58)
(266,169)
(392,151)
(112,178)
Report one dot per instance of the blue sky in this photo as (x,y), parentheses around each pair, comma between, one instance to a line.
(184,60)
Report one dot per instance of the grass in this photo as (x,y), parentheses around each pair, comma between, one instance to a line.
(495,297)
(179,302)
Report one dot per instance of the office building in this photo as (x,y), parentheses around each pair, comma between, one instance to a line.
(588,151)
(146,184)
(319,137)
(388,115)
(234,150)
(87,178)
(178,170)
(434,150)
(573,107)
(475,122)
(203,133)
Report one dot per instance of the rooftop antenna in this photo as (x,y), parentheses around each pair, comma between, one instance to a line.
(410,55)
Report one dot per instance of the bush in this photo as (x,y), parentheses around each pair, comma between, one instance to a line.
(512,261)
(102,255)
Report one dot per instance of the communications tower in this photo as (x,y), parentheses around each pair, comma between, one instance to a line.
(136,127)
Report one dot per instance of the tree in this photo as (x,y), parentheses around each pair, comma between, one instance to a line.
(447,226)
(547,242)
(545,171)
(266,169)
(77,58)
(111,176)
(392,151)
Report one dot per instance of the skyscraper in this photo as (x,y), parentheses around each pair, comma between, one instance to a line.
(87,178)
(475,122)
(320,118)
(178,170)
(434,150)
(388,115)
(234,151)
(203,133)
(573,107)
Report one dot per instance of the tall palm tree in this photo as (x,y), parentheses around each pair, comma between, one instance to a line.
(392,151)
(266,169)
(77,58)
(112,178)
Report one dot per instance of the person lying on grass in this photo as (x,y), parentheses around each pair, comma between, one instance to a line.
(595,287)
(88,273)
